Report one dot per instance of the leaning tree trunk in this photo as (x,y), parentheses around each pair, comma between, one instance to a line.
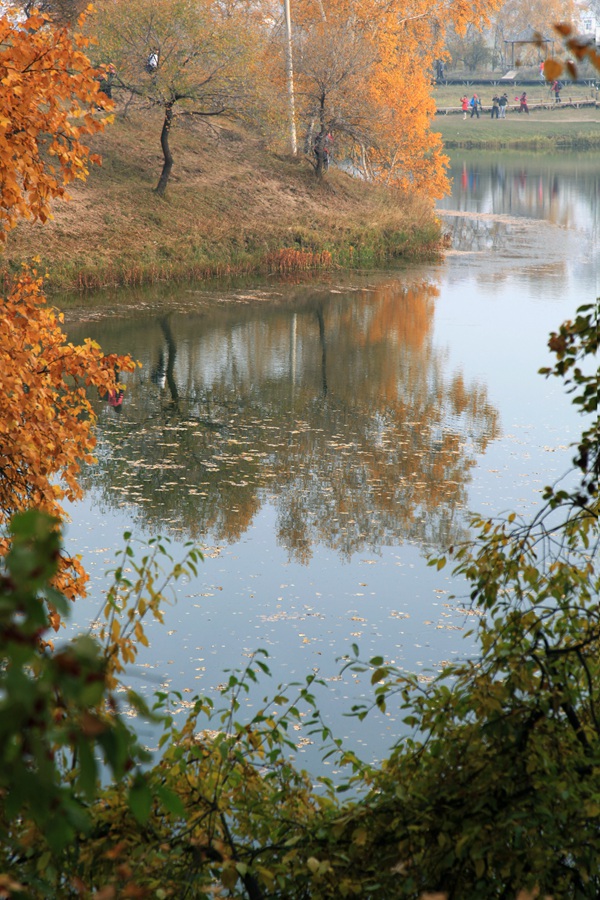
(166,149)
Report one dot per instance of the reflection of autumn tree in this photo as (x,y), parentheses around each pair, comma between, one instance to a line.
(388,452)
(169,458)
(339,411)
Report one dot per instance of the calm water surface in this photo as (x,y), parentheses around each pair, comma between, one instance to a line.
(319,439)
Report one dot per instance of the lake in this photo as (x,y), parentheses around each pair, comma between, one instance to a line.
(319,437)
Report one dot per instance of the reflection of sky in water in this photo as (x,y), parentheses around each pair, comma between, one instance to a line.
(490,323)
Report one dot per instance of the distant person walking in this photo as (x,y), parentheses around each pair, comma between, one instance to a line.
(556,89)
(495,110)
(502,103)
(475,103)
(152,61)
(464,102)
(542,76)
(523,101)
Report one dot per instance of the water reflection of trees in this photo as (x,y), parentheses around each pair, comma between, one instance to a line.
(477,235)
(561,191)
(339,411)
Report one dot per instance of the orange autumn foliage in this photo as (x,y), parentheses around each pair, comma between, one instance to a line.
(363,70)
(46,418)
(48,98)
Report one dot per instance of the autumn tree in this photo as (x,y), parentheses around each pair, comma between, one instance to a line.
(189,59)
(333,65)
(62,12)
(364,69)
(48,99)
(46,418)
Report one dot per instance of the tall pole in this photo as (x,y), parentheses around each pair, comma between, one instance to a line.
(289,65)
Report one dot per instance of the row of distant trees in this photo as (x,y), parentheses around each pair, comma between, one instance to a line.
(486,45)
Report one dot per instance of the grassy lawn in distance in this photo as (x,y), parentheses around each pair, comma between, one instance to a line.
(448,95)
(557,127)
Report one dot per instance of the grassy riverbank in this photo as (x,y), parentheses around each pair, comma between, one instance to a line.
(232,207)
(558,127)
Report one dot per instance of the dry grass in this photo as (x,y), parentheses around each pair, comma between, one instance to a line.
(233,206)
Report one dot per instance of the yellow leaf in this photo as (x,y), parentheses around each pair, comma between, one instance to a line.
(359,837)
(229,875)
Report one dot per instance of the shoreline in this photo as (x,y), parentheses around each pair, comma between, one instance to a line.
(569,129)
(234,207)
(557,144)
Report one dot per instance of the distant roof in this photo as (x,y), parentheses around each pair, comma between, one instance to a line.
(528,36)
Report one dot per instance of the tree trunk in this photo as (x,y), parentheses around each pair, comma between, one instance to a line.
(320,140)
(289,65)
(321,149)
(168,158)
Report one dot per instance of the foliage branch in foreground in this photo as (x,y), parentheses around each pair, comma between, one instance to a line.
(49,96)
(46,418)
(61,717)
(49,103)
(498,789)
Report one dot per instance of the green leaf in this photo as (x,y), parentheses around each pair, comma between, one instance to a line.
(171,801)
(88,769)
(140,800)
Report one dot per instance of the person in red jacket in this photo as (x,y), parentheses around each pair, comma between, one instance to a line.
(523,101)
(556,89)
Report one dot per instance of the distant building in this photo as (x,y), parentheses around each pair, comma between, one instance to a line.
(588,25)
